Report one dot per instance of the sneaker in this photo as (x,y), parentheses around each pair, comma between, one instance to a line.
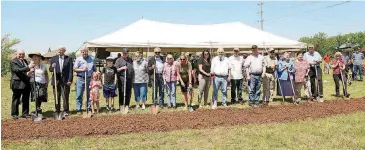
(185,108)
(224,105)
(320,100)
(137,106)
(200,106)
(126,109)
(192,104)
(143,107)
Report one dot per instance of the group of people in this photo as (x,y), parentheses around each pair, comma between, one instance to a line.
(286,75)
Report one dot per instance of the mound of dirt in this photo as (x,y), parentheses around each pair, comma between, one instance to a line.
(23,129)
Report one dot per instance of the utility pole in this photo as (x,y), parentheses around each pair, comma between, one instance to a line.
(261,12)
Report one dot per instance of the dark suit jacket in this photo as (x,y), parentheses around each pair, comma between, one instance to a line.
(19,77)
(67,70)
(152,61)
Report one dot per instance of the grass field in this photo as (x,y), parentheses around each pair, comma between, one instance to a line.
(339,132)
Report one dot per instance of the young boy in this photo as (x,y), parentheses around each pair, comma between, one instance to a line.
(109,83)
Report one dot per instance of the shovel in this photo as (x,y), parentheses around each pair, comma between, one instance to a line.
(154,106)
(57,115)
(87,115)
(122,109)
(191,93)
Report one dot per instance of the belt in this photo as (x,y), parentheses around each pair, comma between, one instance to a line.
(82,76)
(271,72)
(220,76)
(256,74)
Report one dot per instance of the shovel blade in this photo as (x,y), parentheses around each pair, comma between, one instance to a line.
(37,118)
(125,111)
(58,116)
(154,109)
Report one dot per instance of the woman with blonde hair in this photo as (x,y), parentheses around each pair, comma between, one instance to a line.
(170,78)
(184,76)
(338,66)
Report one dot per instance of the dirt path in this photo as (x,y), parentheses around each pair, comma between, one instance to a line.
(201,119)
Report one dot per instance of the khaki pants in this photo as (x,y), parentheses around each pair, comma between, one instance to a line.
(269,86)
(204,84)
(298,88)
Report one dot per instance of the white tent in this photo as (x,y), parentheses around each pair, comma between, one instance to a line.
(180,37)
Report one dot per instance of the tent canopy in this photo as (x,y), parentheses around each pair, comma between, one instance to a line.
(181,37)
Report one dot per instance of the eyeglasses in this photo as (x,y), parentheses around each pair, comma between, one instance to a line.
(169,58)
(157,52)
(206,54)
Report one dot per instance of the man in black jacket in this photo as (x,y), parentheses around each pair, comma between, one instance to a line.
(157,62)
(64,75)
(124,65)
(20,85)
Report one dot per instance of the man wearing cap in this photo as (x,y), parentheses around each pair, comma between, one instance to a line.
(20,84)
(315,72)
(84,65)
(357,59)
(269,78)
(157,62)
(256,69)
(235,65)
(124,67)
(222,75)
(63,65)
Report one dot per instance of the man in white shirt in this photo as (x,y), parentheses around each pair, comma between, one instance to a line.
(315,72)
(235,65)
(221,72)
(255,68)
(269,78)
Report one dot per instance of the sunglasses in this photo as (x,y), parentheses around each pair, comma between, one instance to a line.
(157,52)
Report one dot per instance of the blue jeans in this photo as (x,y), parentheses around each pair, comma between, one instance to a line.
(254,91)
(220,83)
(160,90)
(80,87)
(140,91)
(357,68)
(171,93)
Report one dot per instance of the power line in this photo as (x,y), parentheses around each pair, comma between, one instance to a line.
(295,6)
(310,11)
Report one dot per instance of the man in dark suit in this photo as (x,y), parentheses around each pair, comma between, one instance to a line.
(64,75)
(20,85)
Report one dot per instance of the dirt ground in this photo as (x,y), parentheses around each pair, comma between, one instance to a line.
(24,129)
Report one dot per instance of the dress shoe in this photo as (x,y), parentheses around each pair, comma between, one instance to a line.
(26,116)
(15,117)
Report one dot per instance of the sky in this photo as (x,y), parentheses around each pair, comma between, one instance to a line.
(40,25)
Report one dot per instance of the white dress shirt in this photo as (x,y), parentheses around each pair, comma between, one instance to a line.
(220,67)
(235,64)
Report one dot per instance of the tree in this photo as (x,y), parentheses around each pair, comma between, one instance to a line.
(72,55)
(6,50)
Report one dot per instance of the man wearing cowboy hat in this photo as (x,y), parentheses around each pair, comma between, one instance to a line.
(269,78)
(64,75)
(20,85)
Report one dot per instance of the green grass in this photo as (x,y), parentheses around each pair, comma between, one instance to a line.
(329,91)
(337,132)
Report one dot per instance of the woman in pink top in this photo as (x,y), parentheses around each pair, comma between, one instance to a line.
(338,66)
(301,72)
(170,77)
